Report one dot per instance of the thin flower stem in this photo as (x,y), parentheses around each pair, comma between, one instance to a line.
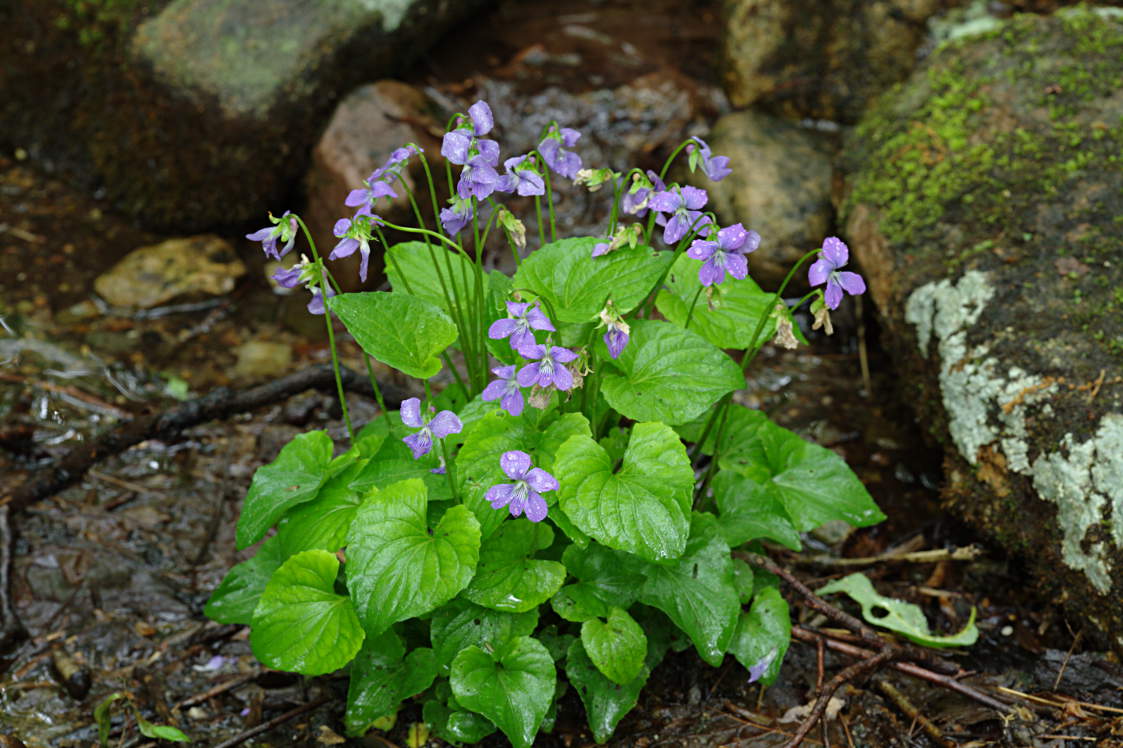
(550,205)
(378,393)
(690,313)
(673,156)
(753,349)
(538,212)
(432,188)
(454,308)
(617,192)
(331,333)
(645,308)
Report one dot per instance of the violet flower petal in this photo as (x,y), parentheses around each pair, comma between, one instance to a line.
(411,413)
(515,464)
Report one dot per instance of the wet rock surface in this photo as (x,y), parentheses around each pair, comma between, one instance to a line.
(984,202)
(169,105)
(826,60)
(148,276)
(780,187)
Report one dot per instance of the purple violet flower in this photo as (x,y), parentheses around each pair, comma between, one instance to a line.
(565,163)
(549,369)
(524,495)
(524,318)
(289,277)
(369,194)
(525,181)
(636,199)
(835,254)
(478,179)
(615,339)
(725,254)
(455,218)
(714,167)
(354,235)
(316,305)
(438,427)
(506,390)
(283,230)
(683,205)
(463,142)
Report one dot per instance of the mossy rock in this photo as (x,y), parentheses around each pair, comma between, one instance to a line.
(984,200)
(194,114)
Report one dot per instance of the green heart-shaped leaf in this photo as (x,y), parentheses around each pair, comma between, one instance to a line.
(763,635)
(293,478)
(396,569)
(577,285)
(616,646)
(507,578)
(698,591)
(668,374)
(462,624)
(644,508)
(726,315)
(402,331)
(301,624)
(512,687)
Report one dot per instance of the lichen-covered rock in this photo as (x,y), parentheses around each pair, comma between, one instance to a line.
(780,187)
(148,276)
(984,202)
(195,113)
(816,58)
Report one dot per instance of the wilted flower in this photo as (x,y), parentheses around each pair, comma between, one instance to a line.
(725,254)
(515,228)
(785,337)
(565,163)
(714,167)
(524,495)
(506,390)
(594,179)
(438,427)
(822,316)
(679,209)
(625,235)
(835,254)
(282,230)
(549,368)
(523,319)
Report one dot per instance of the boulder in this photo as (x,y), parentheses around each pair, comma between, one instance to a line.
(368,125)
(780,187)
(149,276)
(195,113)
(983,202)
(820,58)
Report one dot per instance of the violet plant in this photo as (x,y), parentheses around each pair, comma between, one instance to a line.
(572,499)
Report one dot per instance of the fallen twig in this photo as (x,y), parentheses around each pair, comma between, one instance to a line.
(967,553)
(849,673)
(901,701)
(279,720)
(219,403)
(805,635)
(11,630)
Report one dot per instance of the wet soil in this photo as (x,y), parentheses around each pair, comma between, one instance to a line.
(110,576)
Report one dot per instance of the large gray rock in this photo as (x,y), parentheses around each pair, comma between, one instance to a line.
(196,113)
(780,187)
(984,204)
(820,58)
